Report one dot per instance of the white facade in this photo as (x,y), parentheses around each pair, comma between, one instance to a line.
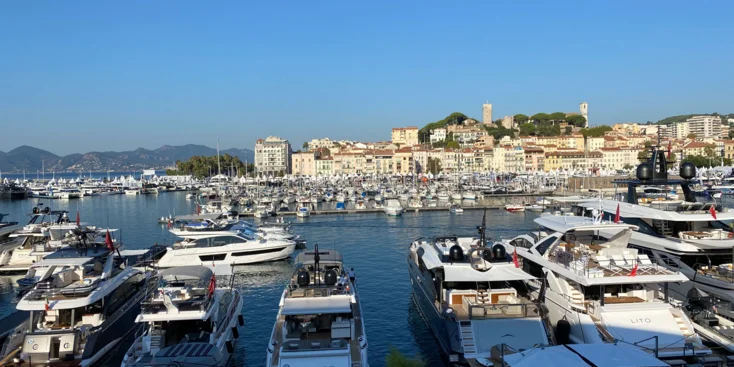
(705,126)
(584,109)
(487,113)
(272,156)
(438,135)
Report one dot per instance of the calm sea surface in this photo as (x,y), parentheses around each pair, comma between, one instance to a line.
(374,244)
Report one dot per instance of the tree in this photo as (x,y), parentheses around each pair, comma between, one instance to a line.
(540,117)
(549,129)
(644,155)
(558,116)
(453,144)
(691,136)
(528,129)
(424,134)
(596,131)
(499,131)
(434,165)
(576,120)
(305,145)
(521,119)
(568,130)
(202,166)
(397,359)
(628,166)
(709,150)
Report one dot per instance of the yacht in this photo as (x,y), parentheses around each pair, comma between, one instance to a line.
(320,316)
(225,248)
(303,212)
(360,204)
(456,209)
(601,291)
(188,321)
(393,207)
(69,193)
(81,307)
(514,208)
(474,298)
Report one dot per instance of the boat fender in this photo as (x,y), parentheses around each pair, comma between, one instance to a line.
(563,330)
(240,320)
(235,332)
(230,347)
(362,343)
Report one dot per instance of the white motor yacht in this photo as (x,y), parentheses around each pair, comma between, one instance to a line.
(393,207)
(188,321)
(320,317)
(303,212)
(601,291)
(473,298)
(225,248)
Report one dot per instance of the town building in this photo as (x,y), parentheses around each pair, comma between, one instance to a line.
(438,135)
(303,163)
(705,126)
(272,156)
(325,166)
(508,122)
(405,136)
(584,109)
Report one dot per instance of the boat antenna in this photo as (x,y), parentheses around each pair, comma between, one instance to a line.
(482,230)
(316,259)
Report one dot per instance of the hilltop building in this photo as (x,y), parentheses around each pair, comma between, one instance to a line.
(487,113)
(584,109)
(405,136)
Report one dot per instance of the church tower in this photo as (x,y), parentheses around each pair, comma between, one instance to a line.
(584,109)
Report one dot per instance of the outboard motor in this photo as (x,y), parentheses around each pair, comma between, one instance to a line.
(456,253)
(303,278)
(330,277)
(500,254)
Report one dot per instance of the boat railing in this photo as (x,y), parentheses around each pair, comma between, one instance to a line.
(592,265)
(483,311)
(314,344)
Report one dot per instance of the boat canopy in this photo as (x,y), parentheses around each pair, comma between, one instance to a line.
(183,273)
(331,256)
(314,306)
(584,355)
(498,272)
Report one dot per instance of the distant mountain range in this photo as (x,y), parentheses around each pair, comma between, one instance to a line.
(30,159)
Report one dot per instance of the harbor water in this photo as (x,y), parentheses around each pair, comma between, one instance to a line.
(374,244)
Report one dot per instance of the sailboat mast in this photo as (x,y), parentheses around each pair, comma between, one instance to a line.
(219,165)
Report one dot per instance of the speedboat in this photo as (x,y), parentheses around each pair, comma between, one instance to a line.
(514,208)
(360,205)
(303,212)
(534,208)
(82,306)
(188,321)
(320,316)
(472,295)
(455,209)
(599,290)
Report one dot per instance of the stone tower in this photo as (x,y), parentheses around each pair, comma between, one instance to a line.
(584,109)
(487,113)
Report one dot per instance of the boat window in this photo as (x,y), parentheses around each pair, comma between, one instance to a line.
(221,241)
(521,242)
(218,257)
(711,259)
(224,303)
(258,252)
(643,226)
(124,293)
(543,246)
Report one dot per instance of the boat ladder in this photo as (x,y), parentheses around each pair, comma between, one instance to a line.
(467,337)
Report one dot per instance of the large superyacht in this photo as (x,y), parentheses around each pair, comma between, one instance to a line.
(474,298)
(598,290)
(80,307)
(319,322)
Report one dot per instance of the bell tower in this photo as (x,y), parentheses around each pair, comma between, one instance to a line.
(584,109)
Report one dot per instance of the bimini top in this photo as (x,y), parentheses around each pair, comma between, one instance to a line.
(330,256)
(183,273)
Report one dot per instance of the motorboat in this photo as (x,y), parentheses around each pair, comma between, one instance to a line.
(226,248)
(514,208)
(456,209)
(360,204)
(82,306)
(599,290)
(534,208)
(132,191)
(472,295)
(393,207)
(320,317)
(303,212)
(189,321)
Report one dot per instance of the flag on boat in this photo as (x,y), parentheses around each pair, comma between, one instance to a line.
(47,306)
(713,211)
(78,219)
(108,240)
(668,149)
(212,285)
(634,271)
(514,258)
(616,216)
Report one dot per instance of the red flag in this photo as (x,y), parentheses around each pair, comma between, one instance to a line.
(514,259)
(108,240)
(78,220)
(212,285)
(170,223)
(47,306)
(634,271)
(668,149)
(713,211)
(616,216)
(198,209)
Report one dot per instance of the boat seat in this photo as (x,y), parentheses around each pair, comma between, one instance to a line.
(602,260)
(644,260)
(618,260)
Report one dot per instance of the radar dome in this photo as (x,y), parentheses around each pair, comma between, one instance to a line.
(499,252)
(303,278)
(456,253)
(644,172)
(330,277)
(687,170)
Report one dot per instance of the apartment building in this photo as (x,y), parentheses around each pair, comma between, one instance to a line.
(405,136)
(303,164)
(272,156)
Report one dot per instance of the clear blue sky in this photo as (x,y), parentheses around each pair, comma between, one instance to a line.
(77,76)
